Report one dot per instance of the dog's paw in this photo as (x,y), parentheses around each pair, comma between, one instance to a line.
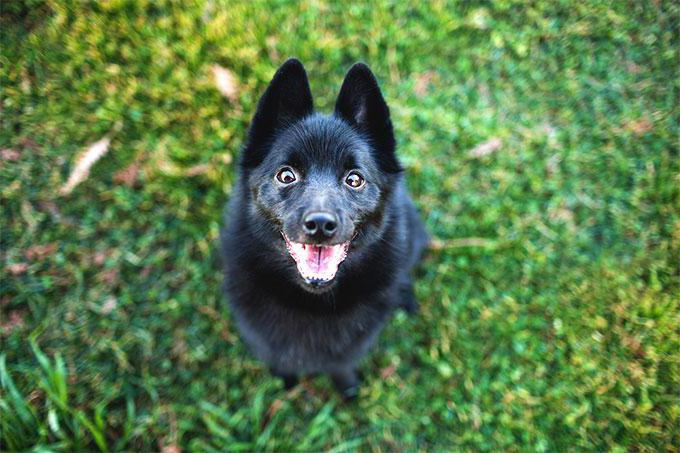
(347,383)
(408,298)
(289,380)
(350,393)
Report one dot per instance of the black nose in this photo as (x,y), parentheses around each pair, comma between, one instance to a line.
(320,224)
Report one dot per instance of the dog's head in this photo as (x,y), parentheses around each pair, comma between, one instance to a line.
(320,182)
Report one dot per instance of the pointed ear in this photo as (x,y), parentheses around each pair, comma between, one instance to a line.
(361,104)
(286,100)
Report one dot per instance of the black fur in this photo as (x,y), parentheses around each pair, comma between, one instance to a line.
(293,326)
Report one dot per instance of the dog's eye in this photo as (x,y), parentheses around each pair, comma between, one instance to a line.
(354,180)
(286,175)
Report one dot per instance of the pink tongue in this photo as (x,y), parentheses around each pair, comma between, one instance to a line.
(317,258)
(317,262)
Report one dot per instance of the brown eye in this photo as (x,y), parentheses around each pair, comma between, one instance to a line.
(286,176)
(354,180)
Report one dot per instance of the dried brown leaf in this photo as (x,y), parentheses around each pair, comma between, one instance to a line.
(639,126)
(197,170)
(423,82)
(179,348)
(109,276)
(485,148)
(172,448)
(128,176)
(109,305)
(388,371)
(225,81)
(17,268)
(28,143)
(10,154)
(38,252)
(273,409)
(146,270)
(15,321)
(226,158)
(99,257)
(84,163)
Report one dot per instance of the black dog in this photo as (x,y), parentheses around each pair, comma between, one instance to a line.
(322,235)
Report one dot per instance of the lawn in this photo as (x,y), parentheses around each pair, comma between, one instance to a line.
(540,141)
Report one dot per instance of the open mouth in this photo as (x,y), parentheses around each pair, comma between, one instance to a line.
(317,264)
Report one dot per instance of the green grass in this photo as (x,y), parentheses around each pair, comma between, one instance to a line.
(549,311)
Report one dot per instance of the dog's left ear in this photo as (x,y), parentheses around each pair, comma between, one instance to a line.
(361,104)
(286,100)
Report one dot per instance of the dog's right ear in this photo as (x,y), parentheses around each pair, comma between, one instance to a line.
(362,105)
(286,100)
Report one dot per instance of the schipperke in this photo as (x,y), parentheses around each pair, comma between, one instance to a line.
(321,234)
